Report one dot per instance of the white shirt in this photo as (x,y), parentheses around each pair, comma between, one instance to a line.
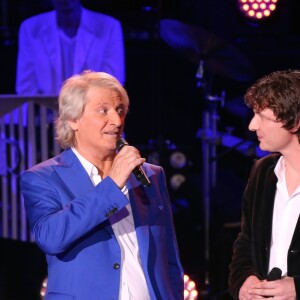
(133,284)
(285,216)
(67,48)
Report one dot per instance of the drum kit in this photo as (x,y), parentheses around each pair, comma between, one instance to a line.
(212,55)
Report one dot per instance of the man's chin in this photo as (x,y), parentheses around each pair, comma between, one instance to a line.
(264,148)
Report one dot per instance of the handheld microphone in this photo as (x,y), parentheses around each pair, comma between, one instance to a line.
(274,274)
(137,171)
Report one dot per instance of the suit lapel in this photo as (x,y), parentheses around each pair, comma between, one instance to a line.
(50,41)
(296,235)
(140,210)
(73,173)
(270,187)
(140,205)
(266,220)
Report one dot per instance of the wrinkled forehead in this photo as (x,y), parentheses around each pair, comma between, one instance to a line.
(107,95)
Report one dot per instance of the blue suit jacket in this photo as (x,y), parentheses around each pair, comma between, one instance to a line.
(69,220)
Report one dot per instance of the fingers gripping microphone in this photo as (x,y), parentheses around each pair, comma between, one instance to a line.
(137,171)
(274,274)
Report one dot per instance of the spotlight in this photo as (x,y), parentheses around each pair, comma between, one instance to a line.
(190,291)
(257,10)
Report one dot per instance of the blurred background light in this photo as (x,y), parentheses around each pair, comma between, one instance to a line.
(176,181)
(178,160)
(43,288)
(190,291)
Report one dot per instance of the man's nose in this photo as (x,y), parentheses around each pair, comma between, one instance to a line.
(253,124)
(116,118)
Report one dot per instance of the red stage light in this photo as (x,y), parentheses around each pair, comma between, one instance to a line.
(256,10)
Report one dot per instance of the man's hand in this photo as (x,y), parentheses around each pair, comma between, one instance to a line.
(125,161)
(247,285)
(282,289)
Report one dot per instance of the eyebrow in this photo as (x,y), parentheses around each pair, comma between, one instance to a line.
(270,117)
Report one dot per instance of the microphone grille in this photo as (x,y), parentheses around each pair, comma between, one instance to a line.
(121,143)
(274,274)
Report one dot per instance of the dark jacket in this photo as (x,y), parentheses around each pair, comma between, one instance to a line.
(251,250)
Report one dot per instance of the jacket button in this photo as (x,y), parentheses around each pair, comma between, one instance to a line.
(116,266)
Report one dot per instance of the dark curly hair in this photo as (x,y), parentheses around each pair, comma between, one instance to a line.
(280,92)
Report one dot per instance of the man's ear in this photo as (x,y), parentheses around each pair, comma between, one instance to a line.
(296,128)
(73,124)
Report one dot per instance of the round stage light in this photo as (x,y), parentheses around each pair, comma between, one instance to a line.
(190,291)
(178,160)
(257,10)
(176,181)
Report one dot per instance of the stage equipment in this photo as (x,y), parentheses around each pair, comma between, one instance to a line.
(175,160)
(210,53)
(257,10)
(213,56)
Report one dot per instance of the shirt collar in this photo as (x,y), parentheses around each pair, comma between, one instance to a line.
(88,166)
(280,169)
